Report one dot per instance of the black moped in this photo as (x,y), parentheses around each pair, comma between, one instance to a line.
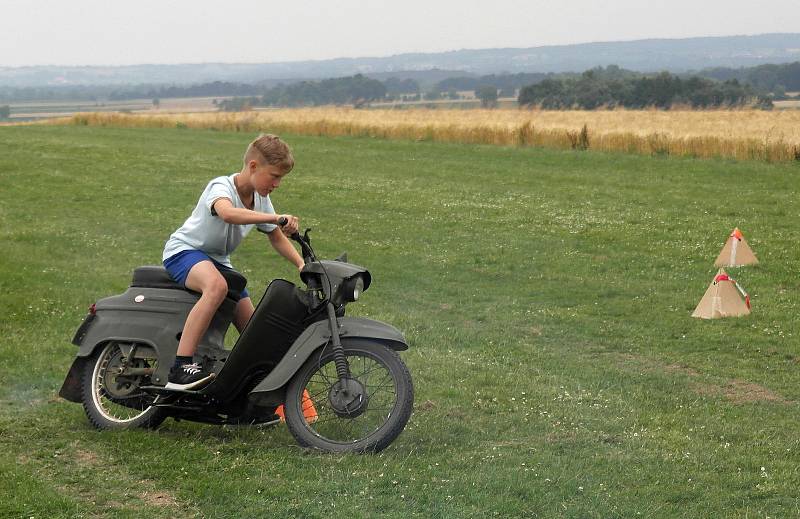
(341,383)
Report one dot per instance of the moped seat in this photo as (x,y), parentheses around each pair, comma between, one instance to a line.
(152,276)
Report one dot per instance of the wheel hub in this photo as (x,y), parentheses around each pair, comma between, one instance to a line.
(348,398)
(116,385)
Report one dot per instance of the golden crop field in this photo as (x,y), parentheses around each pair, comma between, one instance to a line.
(740,134)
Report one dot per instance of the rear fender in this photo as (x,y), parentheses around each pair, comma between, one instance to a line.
(127,327)
(318,335)
(151,316)
(142,351)
(71,388)
(145,348)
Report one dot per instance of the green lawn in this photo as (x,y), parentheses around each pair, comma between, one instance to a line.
(546,297)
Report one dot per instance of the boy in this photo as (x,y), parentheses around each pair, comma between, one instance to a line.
(195,254)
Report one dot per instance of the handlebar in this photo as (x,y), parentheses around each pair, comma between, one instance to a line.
(304,240)
(296,235)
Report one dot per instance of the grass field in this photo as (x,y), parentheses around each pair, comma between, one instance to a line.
(546,296)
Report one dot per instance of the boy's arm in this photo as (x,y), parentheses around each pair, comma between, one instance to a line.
(285,248)
(240,216)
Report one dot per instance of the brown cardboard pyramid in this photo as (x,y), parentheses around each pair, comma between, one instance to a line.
(724,298)
(736,252)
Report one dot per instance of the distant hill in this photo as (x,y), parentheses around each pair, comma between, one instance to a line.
(675,55)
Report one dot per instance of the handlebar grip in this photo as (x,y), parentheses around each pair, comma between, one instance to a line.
(295,236)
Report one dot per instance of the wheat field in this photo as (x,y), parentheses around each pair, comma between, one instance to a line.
(772,136)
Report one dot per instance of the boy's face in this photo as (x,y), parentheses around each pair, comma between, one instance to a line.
(265,179)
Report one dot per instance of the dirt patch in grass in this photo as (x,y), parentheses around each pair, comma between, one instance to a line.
(143,491)
(681,369)
(565,436)
(737,391)
(85,458)
(427,405)
(456,413)
(742,391)
(158,498)
(641,363)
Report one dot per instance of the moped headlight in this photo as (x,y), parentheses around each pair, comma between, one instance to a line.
(359,288)
(352,288)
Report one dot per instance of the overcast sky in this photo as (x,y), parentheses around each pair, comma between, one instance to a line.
(108,32)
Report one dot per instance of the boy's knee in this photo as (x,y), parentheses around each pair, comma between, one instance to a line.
(217,289)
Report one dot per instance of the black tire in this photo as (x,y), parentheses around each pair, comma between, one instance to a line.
(107,411)
(380,420)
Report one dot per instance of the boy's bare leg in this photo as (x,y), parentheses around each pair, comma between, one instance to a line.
(244,311)
(206,279)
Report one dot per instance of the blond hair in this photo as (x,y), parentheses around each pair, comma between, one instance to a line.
(270,149)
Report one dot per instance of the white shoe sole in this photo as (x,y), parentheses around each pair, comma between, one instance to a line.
(191,385)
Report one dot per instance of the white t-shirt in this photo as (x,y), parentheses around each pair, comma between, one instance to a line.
(207,232)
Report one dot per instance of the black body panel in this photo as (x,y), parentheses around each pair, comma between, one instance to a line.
(279,319)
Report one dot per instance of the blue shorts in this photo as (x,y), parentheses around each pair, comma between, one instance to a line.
(179,265)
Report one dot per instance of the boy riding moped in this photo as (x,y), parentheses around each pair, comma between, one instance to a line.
(157,350)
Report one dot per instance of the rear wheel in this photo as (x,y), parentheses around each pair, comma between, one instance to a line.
(111,398)
(365,414)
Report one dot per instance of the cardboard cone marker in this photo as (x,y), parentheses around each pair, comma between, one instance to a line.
(724,298)
(736,252)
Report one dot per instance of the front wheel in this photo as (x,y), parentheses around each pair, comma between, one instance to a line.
(365,414)
(111,397)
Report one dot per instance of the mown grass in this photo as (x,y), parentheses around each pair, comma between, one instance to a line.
(545,294)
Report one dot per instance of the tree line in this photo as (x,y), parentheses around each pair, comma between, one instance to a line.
(777,79)
(597,88)
(355,90)
(213,89)
(506,84)
(610,86)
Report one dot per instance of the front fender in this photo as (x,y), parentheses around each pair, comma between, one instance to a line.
(317,335)
(371,329)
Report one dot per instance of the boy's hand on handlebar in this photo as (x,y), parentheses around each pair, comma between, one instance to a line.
(291,225)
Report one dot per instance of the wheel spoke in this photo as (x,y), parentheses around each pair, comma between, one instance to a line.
(315,396)
(119,408)
(378,388)
(367,372)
